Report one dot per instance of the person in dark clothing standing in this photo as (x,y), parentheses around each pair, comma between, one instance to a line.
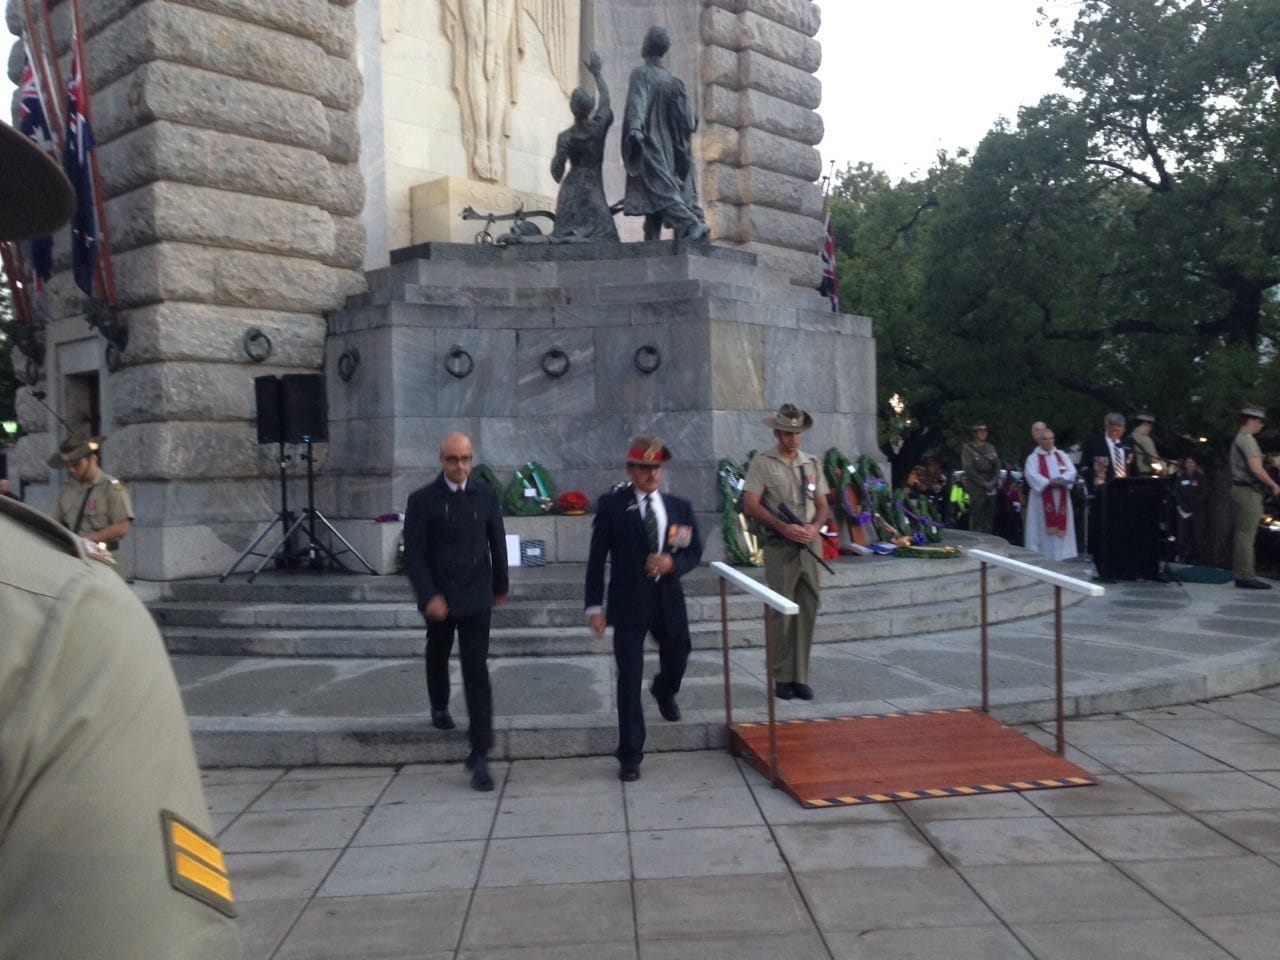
(456,558)
(1192,497)
(651,539)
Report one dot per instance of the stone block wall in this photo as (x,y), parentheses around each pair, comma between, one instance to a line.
(228,142)
(761,128)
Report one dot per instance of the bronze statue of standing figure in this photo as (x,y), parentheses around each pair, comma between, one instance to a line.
(657,147)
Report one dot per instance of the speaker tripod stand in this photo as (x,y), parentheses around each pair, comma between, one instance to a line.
(316,552)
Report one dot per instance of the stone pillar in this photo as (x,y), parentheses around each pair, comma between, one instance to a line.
(760,129)
(228,142)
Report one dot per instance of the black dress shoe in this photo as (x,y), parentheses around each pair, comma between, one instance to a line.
(1253,583)
(784,691)
(629,773)
(667,706)
(802,691)
(479,766)
(441,720)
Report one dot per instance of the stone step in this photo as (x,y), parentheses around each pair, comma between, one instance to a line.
(837,622)
(398,611)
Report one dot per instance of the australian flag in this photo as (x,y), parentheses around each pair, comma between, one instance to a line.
(76,165)
(35,124)
(829,287)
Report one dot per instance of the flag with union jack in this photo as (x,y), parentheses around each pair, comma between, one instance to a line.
(76,164)
(830,287)
(34,122)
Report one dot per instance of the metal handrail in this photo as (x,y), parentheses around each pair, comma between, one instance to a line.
(1060,582)
(770,598)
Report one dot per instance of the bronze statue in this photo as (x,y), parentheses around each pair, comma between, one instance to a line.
(582,212)
(657,147)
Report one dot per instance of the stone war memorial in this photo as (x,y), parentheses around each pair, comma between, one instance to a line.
(298,190)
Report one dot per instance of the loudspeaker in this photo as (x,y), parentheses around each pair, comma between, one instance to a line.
(291,408)
(266,393)
(1130,548)
(306,413)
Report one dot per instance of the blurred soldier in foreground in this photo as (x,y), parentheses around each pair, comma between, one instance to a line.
(106,847)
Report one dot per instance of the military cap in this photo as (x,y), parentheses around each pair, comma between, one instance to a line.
(1145,417)
(648,451)
(1251,411)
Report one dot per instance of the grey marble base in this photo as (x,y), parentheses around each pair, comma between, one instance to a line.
(733,342)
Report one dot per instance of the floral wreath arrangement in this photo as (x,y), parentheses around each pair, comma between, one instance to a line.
(742,546)
(572,503)
(530,492)
(485,472)
(850,496)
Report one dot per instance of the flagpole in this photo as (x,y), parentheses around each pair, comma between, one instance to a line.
(105,273)
(44,61)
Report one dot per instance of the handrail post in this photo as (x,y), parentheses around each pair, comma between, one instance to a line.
(724,646)
(986,683)
(773,725)
(1057,665)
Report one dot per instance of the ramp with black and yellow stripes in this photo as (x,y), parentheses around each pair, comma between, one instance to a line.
(879,758)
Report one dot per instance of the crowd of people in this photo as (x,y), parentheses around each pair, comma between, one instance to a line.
(1051,500)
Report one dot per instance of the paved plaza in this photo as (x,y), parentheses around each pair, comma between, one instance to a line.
(1176,855)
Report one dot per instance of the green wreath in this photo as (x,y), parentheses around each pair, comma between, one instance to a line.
(530,492)
(733,526)
(485,472)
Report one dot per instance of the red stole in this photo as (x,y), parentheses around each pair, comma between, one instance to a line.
(1054,499)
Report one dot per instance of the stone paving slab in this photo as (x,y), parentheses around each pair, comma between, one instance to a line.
(701,858)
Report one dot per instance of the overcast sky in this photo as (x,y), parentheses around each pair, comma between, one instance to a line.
(903,78)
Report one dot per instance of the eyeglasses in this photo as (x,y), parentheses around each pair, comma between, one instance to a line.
(456,461)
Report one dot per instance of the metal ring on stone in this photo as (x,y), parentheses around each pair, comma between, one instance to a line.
(647,359)
(347,363)
(257,345)
(555,363)
(458,362)
(113,356)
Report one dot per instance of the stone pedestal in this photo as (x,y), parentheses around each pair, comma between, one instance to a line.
(436,205)
(732,341)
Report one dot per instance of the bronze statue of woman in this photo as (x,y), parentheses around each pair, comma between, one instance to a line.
(582,212)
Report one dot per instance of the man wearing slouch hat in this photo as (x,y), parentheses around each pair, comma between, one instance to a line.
(787,476)
(92,503)
(1250,483)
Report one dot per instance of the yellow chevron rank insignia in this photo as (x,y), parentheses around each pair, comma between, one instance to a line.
(195,864)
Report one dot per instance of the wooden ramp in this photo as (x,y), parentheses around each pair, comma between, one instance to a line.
(879,758)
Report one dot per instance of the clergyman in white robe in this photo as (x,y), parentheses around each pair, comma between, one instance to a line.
(1041,469)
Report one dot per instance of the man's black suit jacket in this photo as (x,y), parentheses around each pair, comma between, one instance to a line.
(455,544)
(618,532)
(1096,446)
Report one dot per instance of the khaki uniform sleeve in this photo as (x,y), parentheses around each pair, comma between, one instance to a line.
(119,506)
(821,489)
(95,754)
(756,479)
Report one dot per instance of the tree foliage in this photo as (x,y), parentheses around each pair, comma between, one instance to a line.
(1116,248)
